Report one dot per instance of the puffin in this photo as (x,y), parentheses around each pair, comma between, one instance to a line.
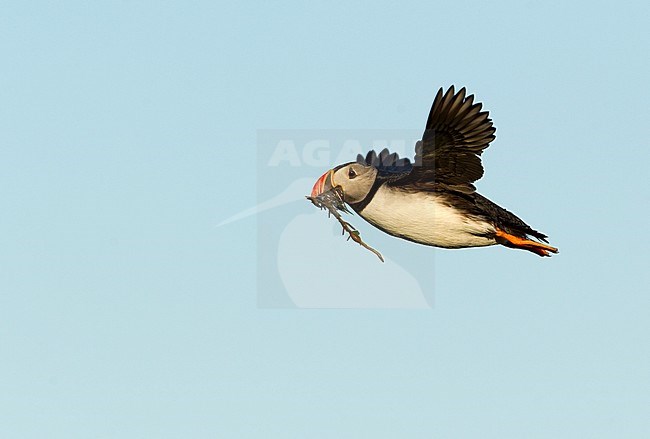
(433,200)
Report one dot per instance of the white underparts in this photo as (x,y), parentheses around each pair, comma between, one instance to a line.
(425,218)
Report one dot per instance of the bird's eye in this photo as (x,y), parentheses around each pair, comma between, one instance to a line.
(351,173)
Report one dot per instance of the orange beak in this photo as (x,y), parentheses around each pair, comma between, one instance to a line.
(323,184)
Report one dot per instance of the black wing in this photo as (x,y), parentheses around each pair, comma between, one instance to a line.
(456,134)
(389,165)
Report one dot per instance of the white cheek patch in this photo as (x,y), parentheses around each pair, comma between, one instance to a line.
(358,188)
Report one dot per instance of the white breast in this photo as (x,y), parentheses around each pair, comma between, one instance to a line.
(423,217)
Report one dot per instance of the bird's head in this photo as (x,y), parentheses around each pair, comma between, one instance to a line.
(354,180)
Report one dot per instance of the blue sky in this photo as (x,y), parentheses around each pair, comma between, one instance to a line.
(129,130)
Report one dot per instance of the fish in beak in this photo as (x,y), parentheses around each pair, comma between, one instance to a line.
(323,184)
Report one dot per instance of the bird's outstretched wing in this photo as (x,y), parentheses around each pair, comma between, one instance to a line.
(389,165)
(448,155)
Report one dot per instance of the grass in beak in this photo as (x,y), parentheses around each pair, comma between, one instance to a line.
(332,200)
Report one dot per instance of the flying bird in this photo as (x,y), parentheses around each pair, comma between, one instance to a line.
(433,200)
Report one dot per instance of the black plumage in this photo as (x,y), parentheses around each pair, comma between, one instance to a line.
(447,162)
(389,165)
(456,133)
